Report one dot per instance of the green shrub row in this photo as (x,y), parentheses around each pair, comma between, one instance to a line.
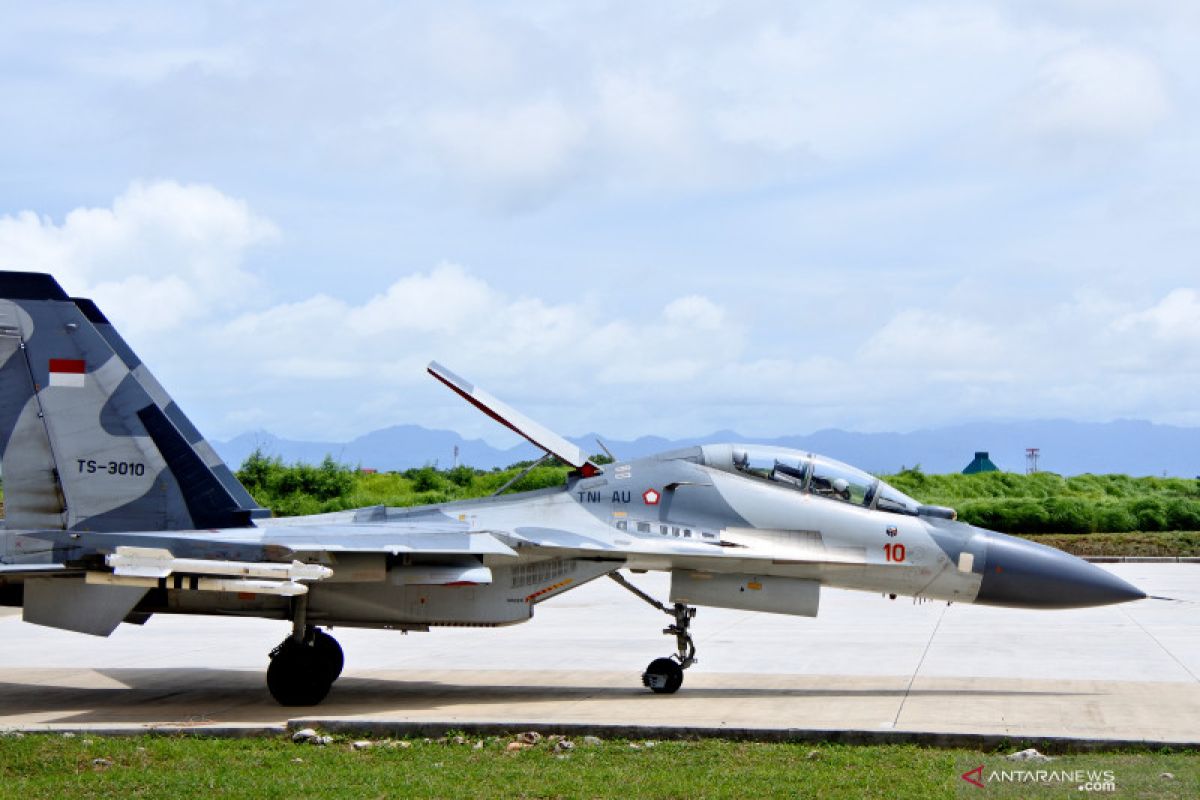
(943,489)
(1048,503)
(1074,515)
(299,489)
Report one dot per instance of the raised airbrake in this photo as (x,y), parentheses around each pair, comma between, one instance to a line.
(118,509)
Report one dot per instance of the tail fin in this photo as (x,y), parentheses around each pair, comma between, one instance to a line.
(89,440)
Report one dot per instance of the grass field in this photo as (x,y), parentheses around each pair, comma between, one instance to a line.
(1132,543)
(49,766)
(1049,503)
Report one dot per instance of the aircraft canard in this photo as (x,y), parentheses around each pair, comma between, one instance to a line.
(118,509)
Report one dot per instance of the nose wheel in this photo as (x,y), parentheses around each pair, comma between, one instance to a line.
(665,675)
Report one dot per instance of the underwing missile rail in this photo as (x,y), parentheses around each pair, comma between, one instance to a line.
(196,583)
(159,563)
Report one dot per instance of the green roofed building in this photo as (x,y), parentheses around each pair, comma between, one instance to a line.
(981,464)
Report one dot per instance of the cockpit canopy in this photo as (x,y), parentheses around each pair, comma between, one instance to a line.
(807,472)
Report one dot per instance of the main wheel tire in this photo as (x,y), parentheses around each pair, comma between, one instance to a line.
(663,676)
(329,654)
(296,676)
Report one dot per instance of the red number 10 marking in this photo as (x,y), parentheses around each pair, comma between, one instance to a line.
(893,552)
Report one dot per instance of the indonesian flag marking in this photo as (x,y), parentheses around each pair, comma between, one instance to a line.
(67,372)
(651,497)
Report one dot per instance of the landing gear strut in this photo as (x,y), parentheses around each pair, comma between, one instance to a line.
(304,665)
(665,675)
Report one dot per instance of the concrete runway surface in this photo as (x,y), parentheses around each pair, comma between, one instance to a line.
(1126,672)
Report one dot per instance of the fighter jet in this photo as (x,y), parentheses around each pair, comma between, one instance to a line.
(117,509)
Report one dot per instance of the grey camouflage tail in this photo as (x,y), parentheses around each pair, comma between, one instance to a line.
(89,440)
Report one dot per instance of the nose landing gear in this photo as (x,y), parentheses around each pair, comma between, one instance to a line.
(665,675)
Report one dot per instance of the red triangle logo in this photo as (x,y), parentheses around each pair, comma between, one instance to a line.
(977,780)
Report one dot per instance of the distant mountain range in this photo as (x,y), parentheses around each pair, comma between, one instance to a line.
(1125,446)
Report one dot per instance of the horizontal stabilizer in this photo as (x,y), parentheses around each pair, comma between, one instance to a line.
(510,418)
(73,605)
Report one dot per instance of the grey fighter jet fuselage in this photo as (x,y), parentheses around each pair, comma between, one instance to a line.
(117,509)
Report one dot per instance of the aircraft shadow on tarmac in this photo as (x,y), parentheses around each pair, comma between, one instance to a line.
(195,697)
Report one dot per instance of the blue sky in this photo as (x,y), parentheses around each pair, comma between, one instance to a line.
(771,217)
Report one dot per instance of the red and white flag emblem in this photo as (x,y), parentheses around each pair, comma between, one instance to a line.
(67,372)
(651,497)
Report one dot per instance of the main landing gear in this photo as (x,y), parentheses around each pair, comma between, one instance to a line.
(665,675)
(304,665)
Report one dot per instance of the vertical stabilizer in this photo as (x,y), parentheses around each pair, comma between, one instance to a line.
(168,406)
(88,438)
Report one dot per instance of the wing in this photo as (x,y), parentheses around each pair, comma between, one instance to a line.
(276,543)
(93,590)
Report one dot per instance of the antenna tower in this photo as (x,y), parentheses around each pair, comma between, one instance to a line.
(1031,459)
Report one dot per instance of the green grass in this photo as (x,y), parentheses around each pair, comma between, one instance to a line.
(1132,543)
(1049,503)
(297,489)
(48,766)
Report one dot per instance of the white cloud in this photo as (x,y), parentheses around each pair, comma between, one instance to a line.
(162,255)
(154,65)
(779,215)
(1089,358)
(165,257)
(437,302)
(689,367)
(735,98)
(695,312)
(470,50)
(449,314)
(1160,341)
(938,346)
(649,129)
(1175,318)
(526,148)
(1090,95)
(515,106)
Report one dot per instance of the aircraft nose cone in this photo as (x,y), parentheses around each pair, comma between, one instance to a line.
(1028,575)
